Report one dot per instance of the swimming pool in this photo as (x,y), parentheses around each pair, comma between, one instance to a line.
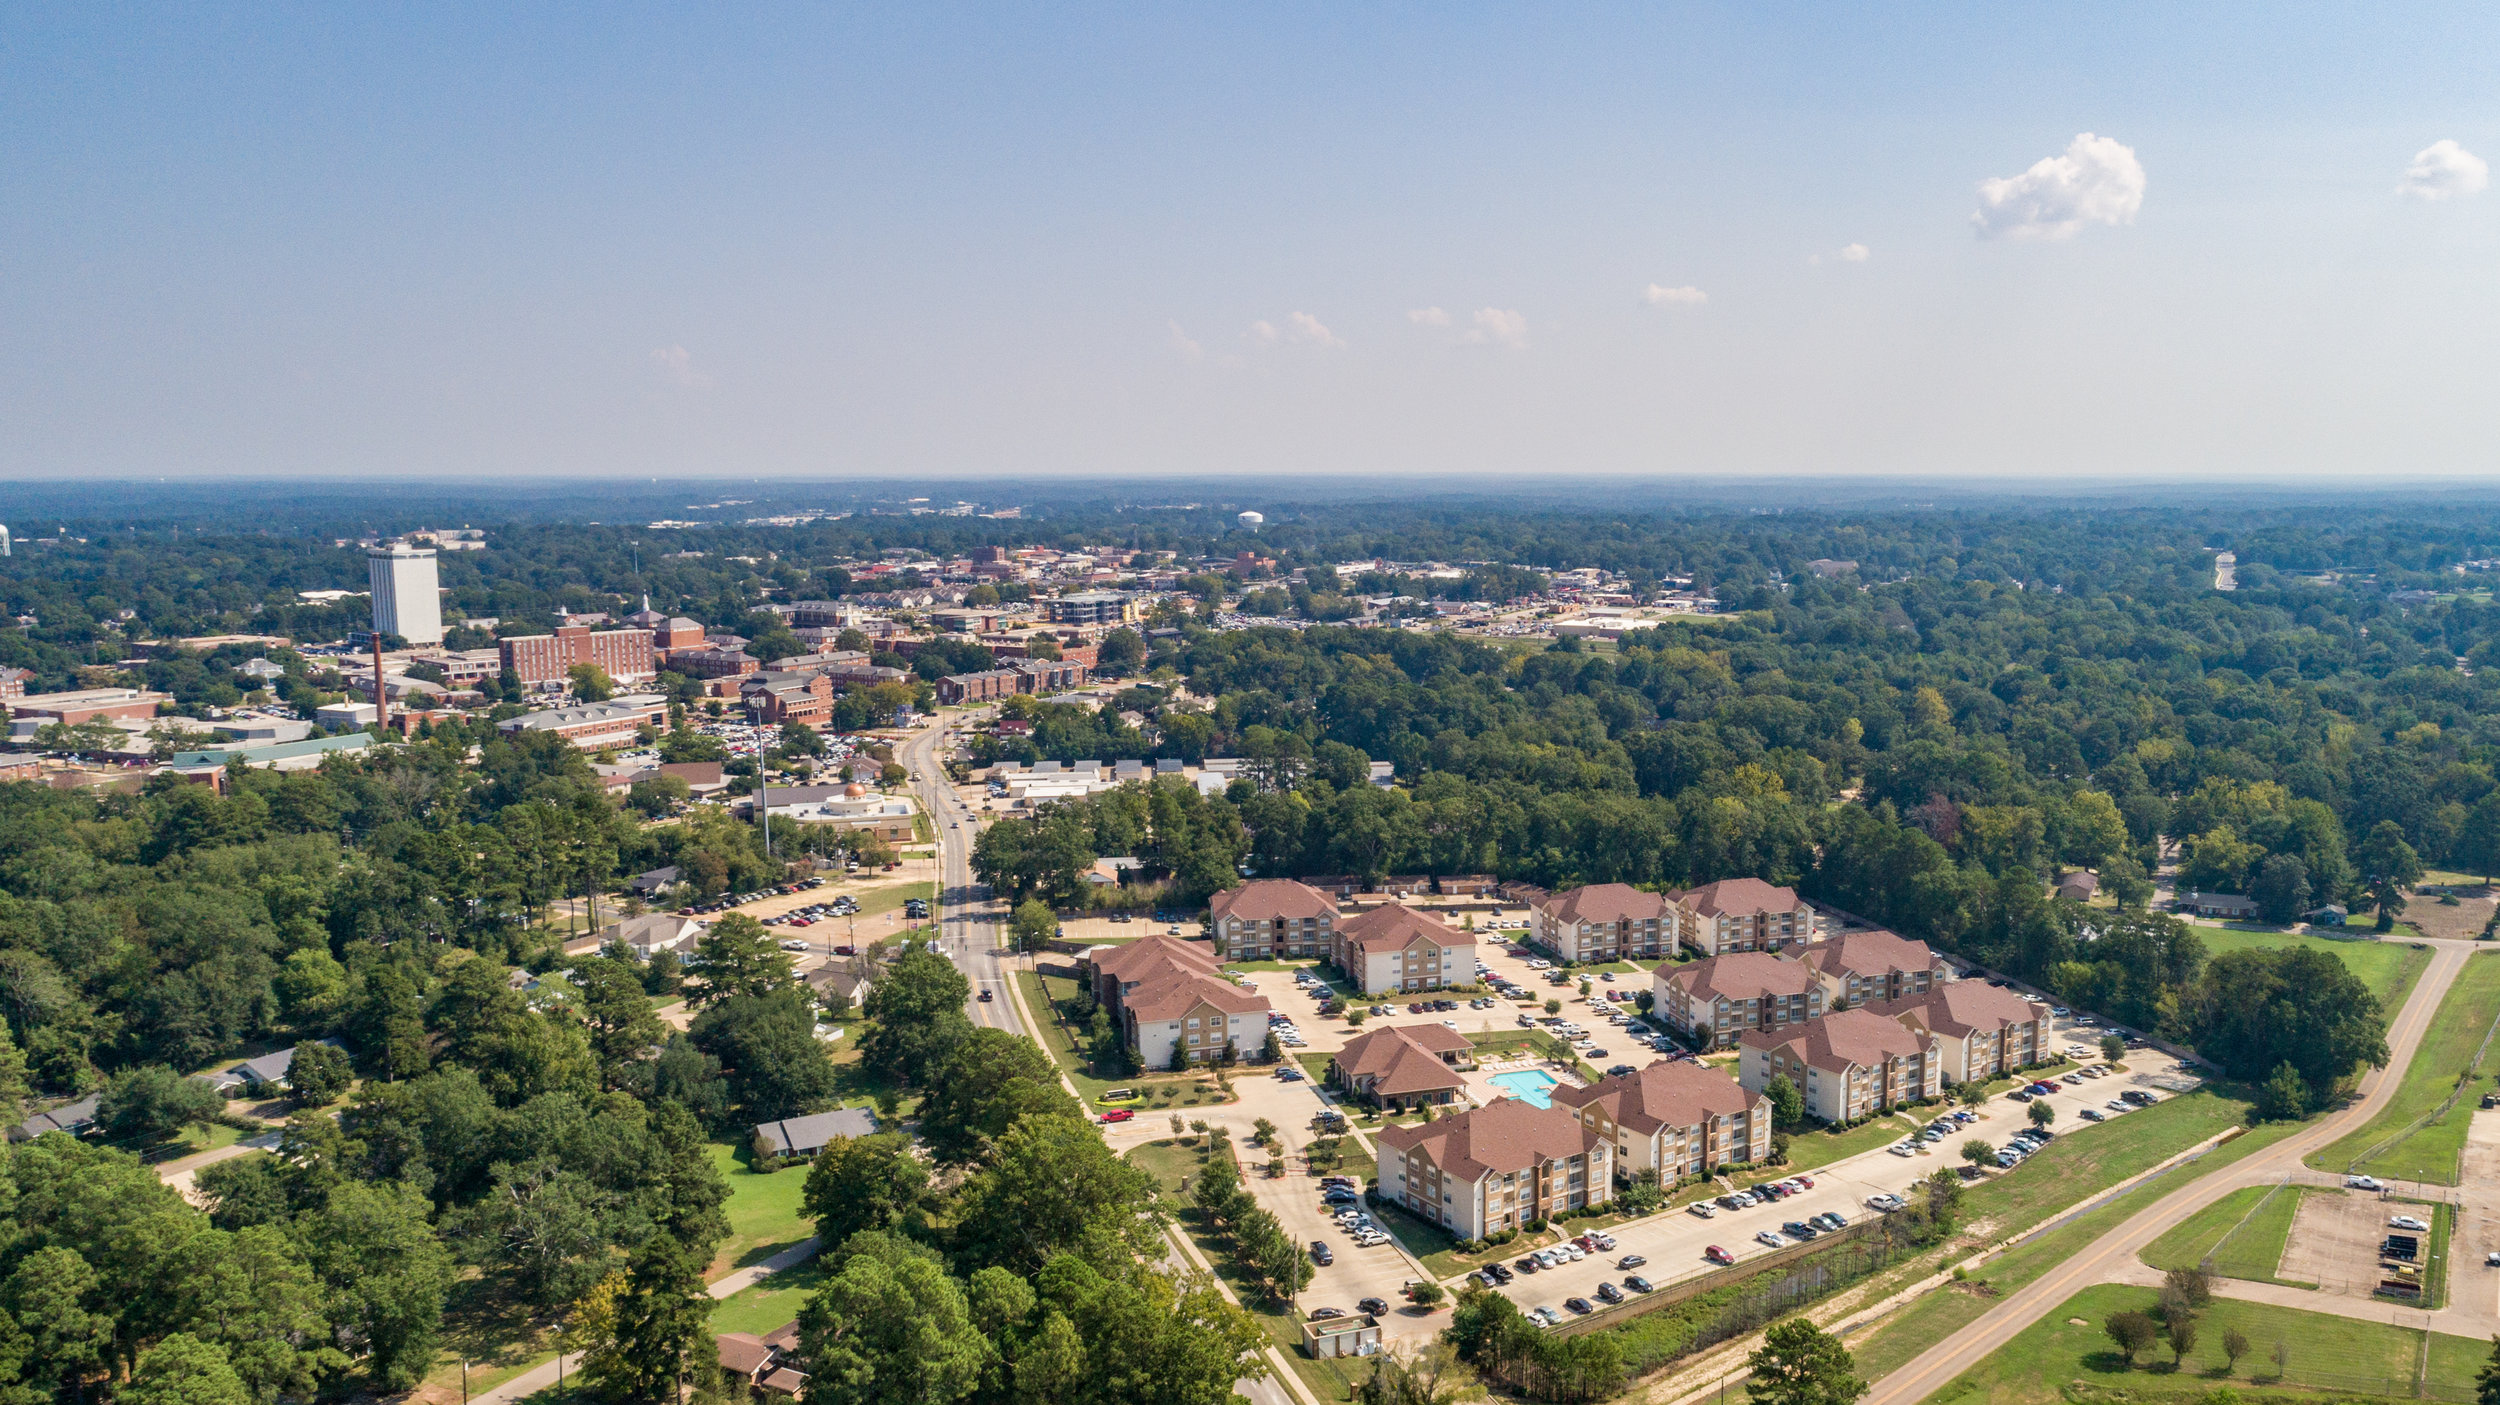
(1529,1085)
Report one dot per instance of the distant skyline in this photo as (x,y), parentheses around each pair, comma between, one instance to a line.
(2135,243)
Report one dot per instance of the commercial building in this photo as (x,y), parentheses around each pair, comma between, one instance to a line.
(623,654)
(851,806)
(1497,1167)
(713,662)
(1713,1001)
(407,597)
(1105,607)
(1850,1064)
(1402,1067)
(1603,922)
(1272,918)
(1862,968)
(1396,948)
(88,705)
(1678,1119)
(1981,1031)
(1741,914)
(590,726)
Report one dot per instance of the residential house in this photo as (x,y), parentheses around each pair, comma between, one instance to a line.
(1678,1119)
(267,1071)
(1396,948)
(799,1138)
(1982,1031)
(1497,1167)
(1403,1066)
(2078,887)
(1713,1001)
(649,933)
(71,1117)
(1272,918)
(2225,905)
(1194,1018)
(1741,914)
(1849,1063)
(1602,922)
(1861,968)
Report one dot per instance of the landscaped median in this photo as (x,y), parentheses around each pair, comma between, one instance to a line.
(2409,1139)
(2069,1356)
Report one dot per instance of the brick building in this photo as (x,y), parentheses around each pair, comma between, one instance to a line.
(590,726)
(1495,1168)
(622,654)
(777,698)
(1678,1119)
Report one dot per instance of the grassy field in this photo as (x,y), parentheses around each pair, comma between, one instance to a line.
(2388,968)
(1808,1150)
(2431,1152)
(2243,1233)
(2321,1352)
(767,1305)
(764,1216)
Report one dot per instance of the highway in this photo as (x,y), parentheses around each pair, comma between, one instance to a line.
(2110,1258)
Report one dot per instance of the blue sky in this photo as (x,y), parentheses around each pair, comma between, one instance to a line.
(890,240)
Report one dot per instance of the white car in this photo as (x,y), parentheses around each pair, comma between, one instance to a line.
(1904,1149)
(2363,1183)
(2410,1222)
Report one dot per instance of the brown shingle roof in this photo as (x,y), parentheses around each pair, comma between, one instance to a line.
(1742,975)
(1876,953)
(1603,902)
(1665,1094)
(1130,961)
(1169,1000)
(1738,897)
(743,1355)
(1271,897)
(1836,1041)
(1393,927)
(1959,1008)
(1403,1059)
(1508,1135)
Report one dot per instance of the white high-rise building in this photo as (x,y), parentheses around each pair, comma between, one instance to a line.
(406,599)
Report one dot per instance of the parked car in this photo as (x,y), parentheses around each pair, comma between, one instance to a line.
(1374,1306)
(2363,1183)
(1320,1254)
(1717,1255)
(1700,1209)
(1607,1292)
(1638,1284)
(1768,1239)
(2413,1222)
(1579,1305)
(1119,1114)
(1630,1261)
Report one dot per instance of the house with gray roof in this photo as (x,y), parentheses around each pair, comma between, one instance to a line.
(798,1138)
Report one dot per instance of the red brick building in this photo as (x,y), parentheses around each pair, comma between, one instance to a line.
(622,654)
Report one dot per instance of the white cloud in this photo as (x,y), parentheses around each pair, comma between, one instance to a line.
(1854,253)
(2096,181)
(1263,332)
(1498,326)
(1183,346)
(1427,317)
(1659,295)
(2443,170)
(1310,329)
(678,364)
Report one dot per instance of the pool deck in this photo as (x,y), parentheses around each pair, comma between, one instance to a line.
(1482,1089)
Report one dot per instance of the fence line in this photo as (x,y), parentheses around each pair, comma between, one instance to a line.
(2464,1081)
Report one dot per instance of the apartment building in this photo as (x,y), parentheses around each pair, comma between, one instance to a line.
(1678,1119)
(1602,922)
(1741,914)
(1106,607)
(1192,1016)
(714,662)
(622,654)
(1849,1063)
(1714,1001)
(1395,948)
(1269,919)
(1403,1067)
(1981,1031)
(1112,971)
(1495,1168)
(591,726)
(1863,968)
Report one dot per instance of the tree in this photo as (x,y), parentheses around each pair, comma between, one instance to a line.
(617,1017)
(2190,1288)
(737,956)
(252,1294)
(1426,1294)
(1971,1094)
(2390,869)
(152,1102)
(1788,1106)
(1553,1007)
(2132,1332)
(890,1324)
(2257,1009)
(648,1324)
(2284,1097)
(2486,1380)
(2281,888)
(184,1370)
(2181,1332)
(979,1086)
(1054,1186)
(1978,1152)
(1034,923)
(1800,1364)
(1354,1016)
(2041,1114)
(52,1298)
(590,683)
(2113,1047)
(863,1183)
(2235,1344)
(317,1075)
(773,1063)
(918,1008)
(387,1274)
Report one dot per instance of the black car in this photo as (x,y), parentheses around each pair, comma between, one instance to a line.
(1607,1292)
(1638,1284)
(1501,1272)
(1527,1265)
(1579,1305)
(1374,1306)
(1320,1253)
(1799,1229)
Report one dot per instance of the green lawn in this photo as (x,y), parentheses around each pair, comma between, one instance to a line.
(2430,1152)
(2321,1352)
(1253,967)
(1808,1150)
(2388,968)
(2435,1262)
(2242,1233)
(769,1304)
(764,1216)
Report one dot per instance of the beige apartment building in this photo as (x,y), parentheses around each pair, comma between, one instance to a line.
(1981,1031)
(1678,1119)
(1741,914)
(1713,1001)
(1403,1066)
(1202,1015)
(1495,1168)
(1394,948)
(1602,922)
(1272,918)
(1864,968)
(1849,1064)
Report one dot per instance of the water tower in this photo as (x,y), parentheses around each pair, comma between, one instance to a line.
(1252,521)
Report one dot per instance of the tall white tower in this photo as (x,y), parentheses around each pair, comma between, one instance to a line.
(406,599)
(1252,521)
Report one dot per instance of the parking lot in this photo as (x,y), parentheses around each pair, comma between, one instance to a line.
(2336,1236)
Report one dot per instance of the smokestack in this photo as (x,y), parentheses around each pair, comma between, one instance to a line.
(381,695)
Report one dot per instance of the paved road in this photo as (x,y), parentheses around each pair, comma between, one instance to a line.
(2111,1257)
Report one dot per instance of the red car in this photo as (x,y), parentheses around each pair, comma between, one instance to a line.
(1119,1114)
(1806,1181)
(1717,1255)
